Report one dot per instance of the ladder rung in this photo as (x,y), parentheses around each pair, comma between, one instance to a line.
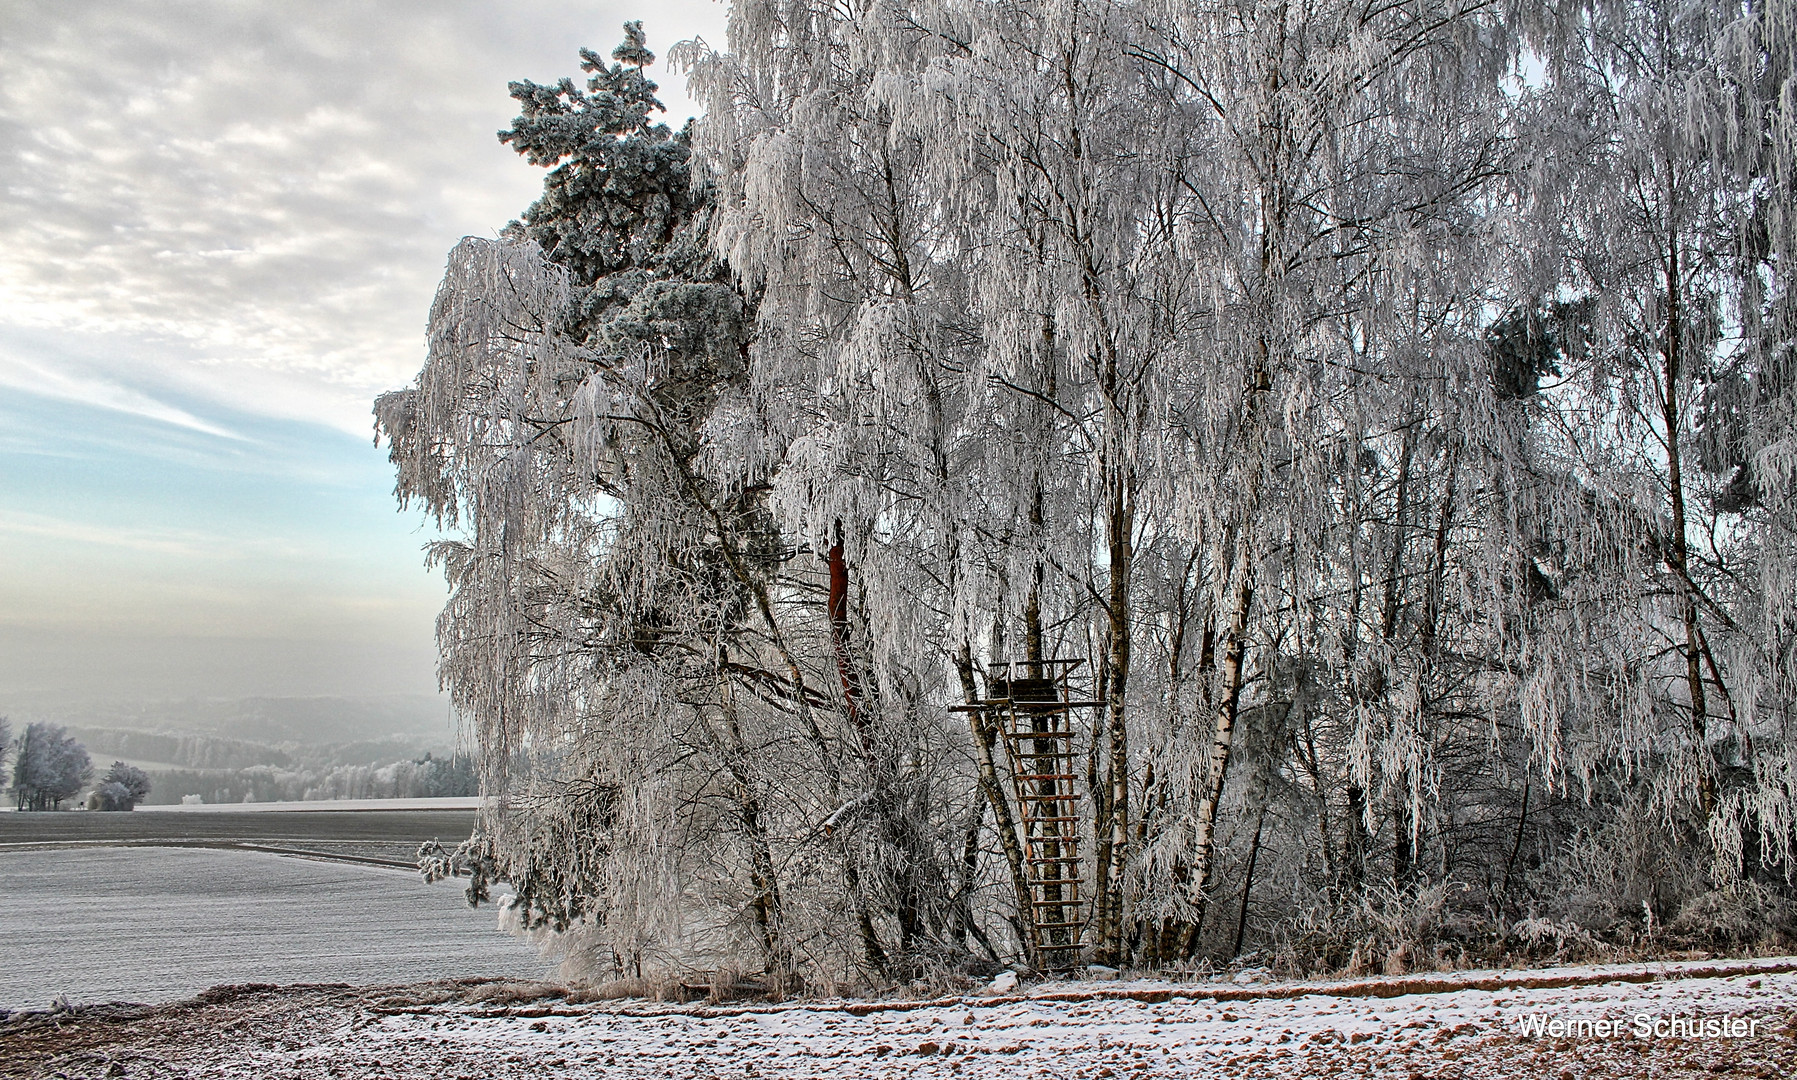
(1041,734)
(1047,776)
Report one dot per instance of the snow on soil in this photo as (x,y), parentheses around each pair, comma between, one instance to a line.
(1460,1026)
(443,803)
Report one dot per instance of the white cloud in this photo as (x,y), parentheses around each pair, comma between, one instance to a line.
(67,383)
(264,191)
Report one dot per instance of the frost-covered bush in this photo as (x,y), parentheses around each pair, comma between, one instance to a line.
(1380,930)
(122,788)
(1739,915)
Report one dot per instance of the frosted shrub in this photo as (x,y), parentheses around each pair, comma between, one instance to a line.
(1742,915)
(1383,930)
(1557,941)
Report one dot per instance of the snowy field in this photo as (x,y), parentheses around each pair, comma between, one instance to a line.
(1475,1025)
(149,924)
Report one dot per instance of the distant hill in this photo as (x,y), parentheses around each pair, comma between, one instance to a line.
(271,748)
(417,720)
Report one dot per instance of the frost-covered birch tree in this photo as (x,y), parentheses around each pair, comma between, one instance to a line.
(1680,399)
(861,416)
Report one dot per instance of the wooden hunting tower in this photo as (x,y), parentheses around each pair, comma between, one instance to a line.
(1030,705)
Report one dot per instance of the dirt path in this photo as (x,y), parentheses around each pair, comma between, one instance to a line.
(1445,1026)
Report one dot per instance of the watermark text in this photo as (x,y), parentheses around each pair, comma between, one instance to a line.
(1639,1026)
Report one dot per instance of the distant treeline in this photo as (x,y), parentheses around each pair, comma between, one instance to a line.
(194,751)
(427,778)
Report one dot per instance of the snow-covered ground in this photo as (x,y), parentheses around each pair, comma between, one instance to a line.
(1474,1025)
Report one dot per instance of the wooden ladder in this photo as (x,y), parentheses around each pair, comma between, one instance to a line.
(1035,714)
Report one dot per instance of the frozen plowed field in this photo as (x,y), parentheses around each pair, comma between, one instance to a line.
(147,825)
(382,836)
(1444,1026)
(148,924)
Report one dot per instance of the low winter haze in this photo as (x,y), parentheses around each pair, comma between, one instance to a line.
(221,225)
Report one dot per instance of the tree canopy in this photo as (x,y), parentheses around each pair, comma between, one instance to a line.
(1392,409)
(50,767)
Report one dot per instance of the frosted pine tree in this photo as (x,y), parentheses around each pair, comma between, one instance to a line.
(595,599)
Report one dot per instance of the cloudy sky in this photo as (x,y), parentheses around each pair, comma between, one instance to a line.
(221,223)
